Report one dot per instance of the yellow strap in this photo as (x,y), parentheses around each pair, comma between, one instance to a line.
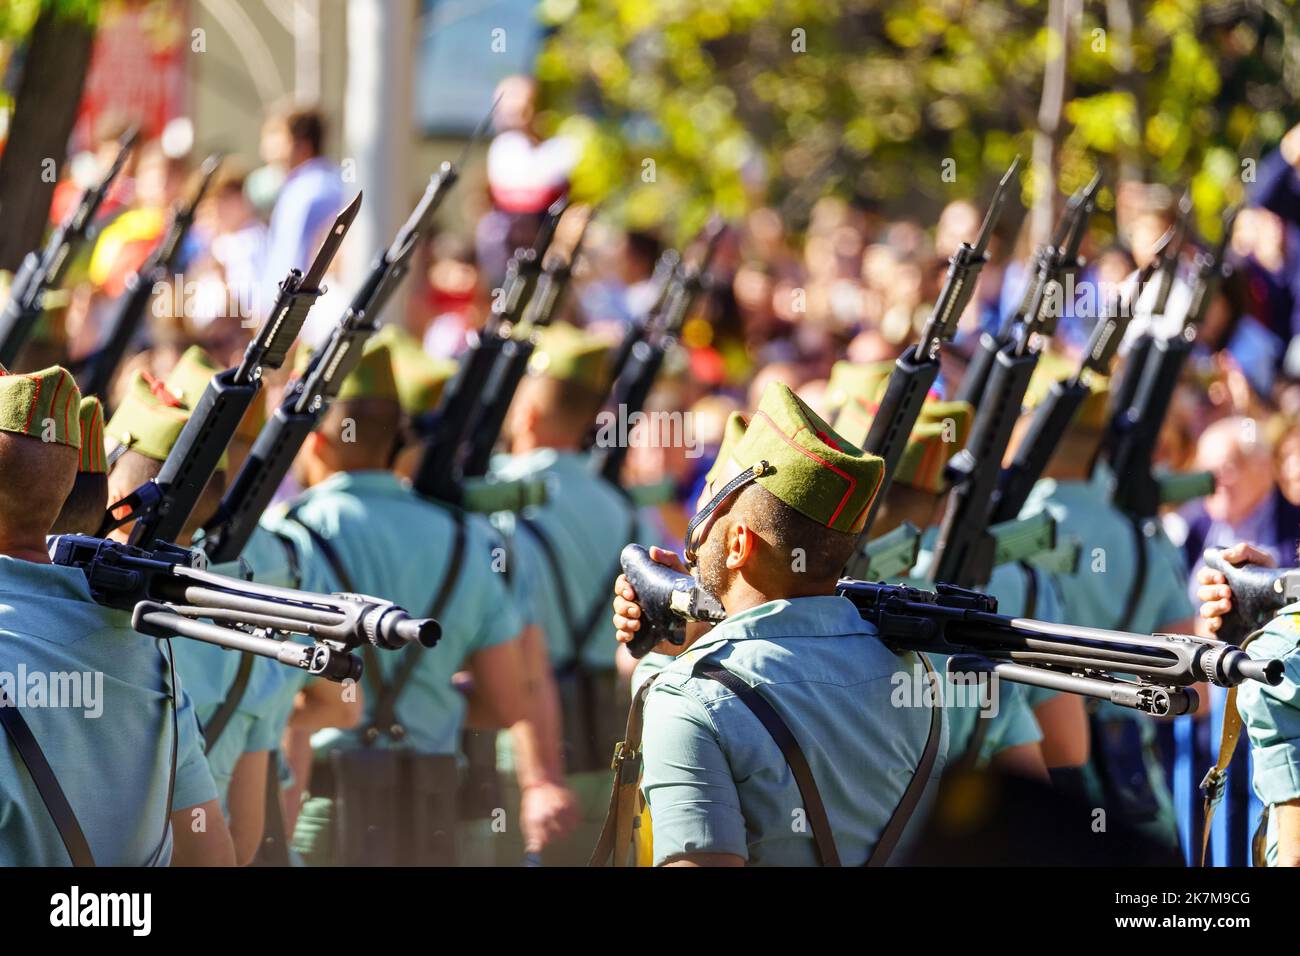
(1216,779)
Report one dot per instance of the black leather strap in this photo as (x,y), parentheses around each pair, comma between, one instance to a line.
(1031,590)
(1139,578)
(215,727)
(823,839)
(274,850)
(47,784)
(580,628)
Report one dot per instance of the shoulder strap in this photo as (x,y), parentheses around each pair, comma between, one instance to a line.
(47,784)
(616,834)
(1031,589)
(1215,781)
(898,820)
(274,850)
(215,727)
(823,839)
(580,627)
(1139,578)
(970,757)
(385,713)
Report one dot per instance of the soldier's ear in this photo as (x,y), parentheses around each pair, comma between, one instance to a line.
(740,545)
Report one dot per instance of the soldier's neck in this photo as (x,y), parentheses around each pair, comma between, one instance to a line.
(742,595)
(25,548)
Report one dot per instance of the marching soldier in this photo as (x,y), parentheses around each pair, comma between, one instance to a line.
(240,699)
(71,788)
(1130,577)
(386,792)
(1271,715)
(564,555)
(772,739)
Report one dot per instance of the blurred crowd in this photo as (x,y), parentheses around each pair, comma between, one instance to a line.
(856,283)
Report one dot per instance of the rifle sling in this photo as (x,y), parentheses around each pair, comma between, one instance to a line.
(1216,779)
(579,628)
(622,812)
(384,720)
(1139,579)
(215,727)
(47,784)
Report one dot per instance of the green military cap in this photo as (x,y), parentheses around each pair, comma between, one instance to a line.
(191,374)
(189,379)
(420,377)
(940,432)
(808,466)
(732,433)
(1093,412)
(91,416)
(853,391)
(372,377)
(149,420)
(568,353)
(42,405)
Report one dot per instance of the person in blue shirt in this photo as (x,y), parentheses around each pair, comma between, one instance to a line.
(130,735)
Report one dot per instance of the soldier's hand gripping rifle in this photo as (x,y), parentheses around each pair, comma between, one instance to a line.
(44,270)
(916,369)
(1054,415)
(437,476)
(512,362)
(307,398)
(169,592)
(964,552)
(96,372)
(161,507)
(1051,262)
(1153,674)
(1258,594)
(646,355)
(1135,489)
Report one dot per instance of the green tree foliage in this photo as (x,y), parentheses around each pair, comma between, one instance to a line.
(723,103)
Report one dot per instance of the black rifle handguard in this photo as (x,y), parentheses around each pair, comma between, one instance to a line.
(667,598)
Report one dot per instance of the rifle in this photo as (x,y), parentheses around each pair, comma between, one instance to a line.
(1258,594)
(44,270)
(1050,264)
(97,370)
(1054,415)
(666,276)
(964,550)
(168,589)
(437,475)
(646,355)
(916,370)
(306,399)
(162,506)
(1140,349)
(1134,488)
(964,624)
(511,364)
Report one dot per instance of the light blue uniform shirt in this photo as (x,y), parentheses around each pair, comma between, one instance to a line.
(397,546)
(588,522)
(208,672)
(112,758)
(716,782)
(1272,718)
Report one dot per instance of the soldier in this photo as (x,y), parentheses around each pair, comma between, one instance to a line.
(1271,714)
(83,511)
(1006,737)
(239,699)
(72,787)
(1130,577)
(564,555)
(189,378)
(772,739)
(420,380)
(395,778)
